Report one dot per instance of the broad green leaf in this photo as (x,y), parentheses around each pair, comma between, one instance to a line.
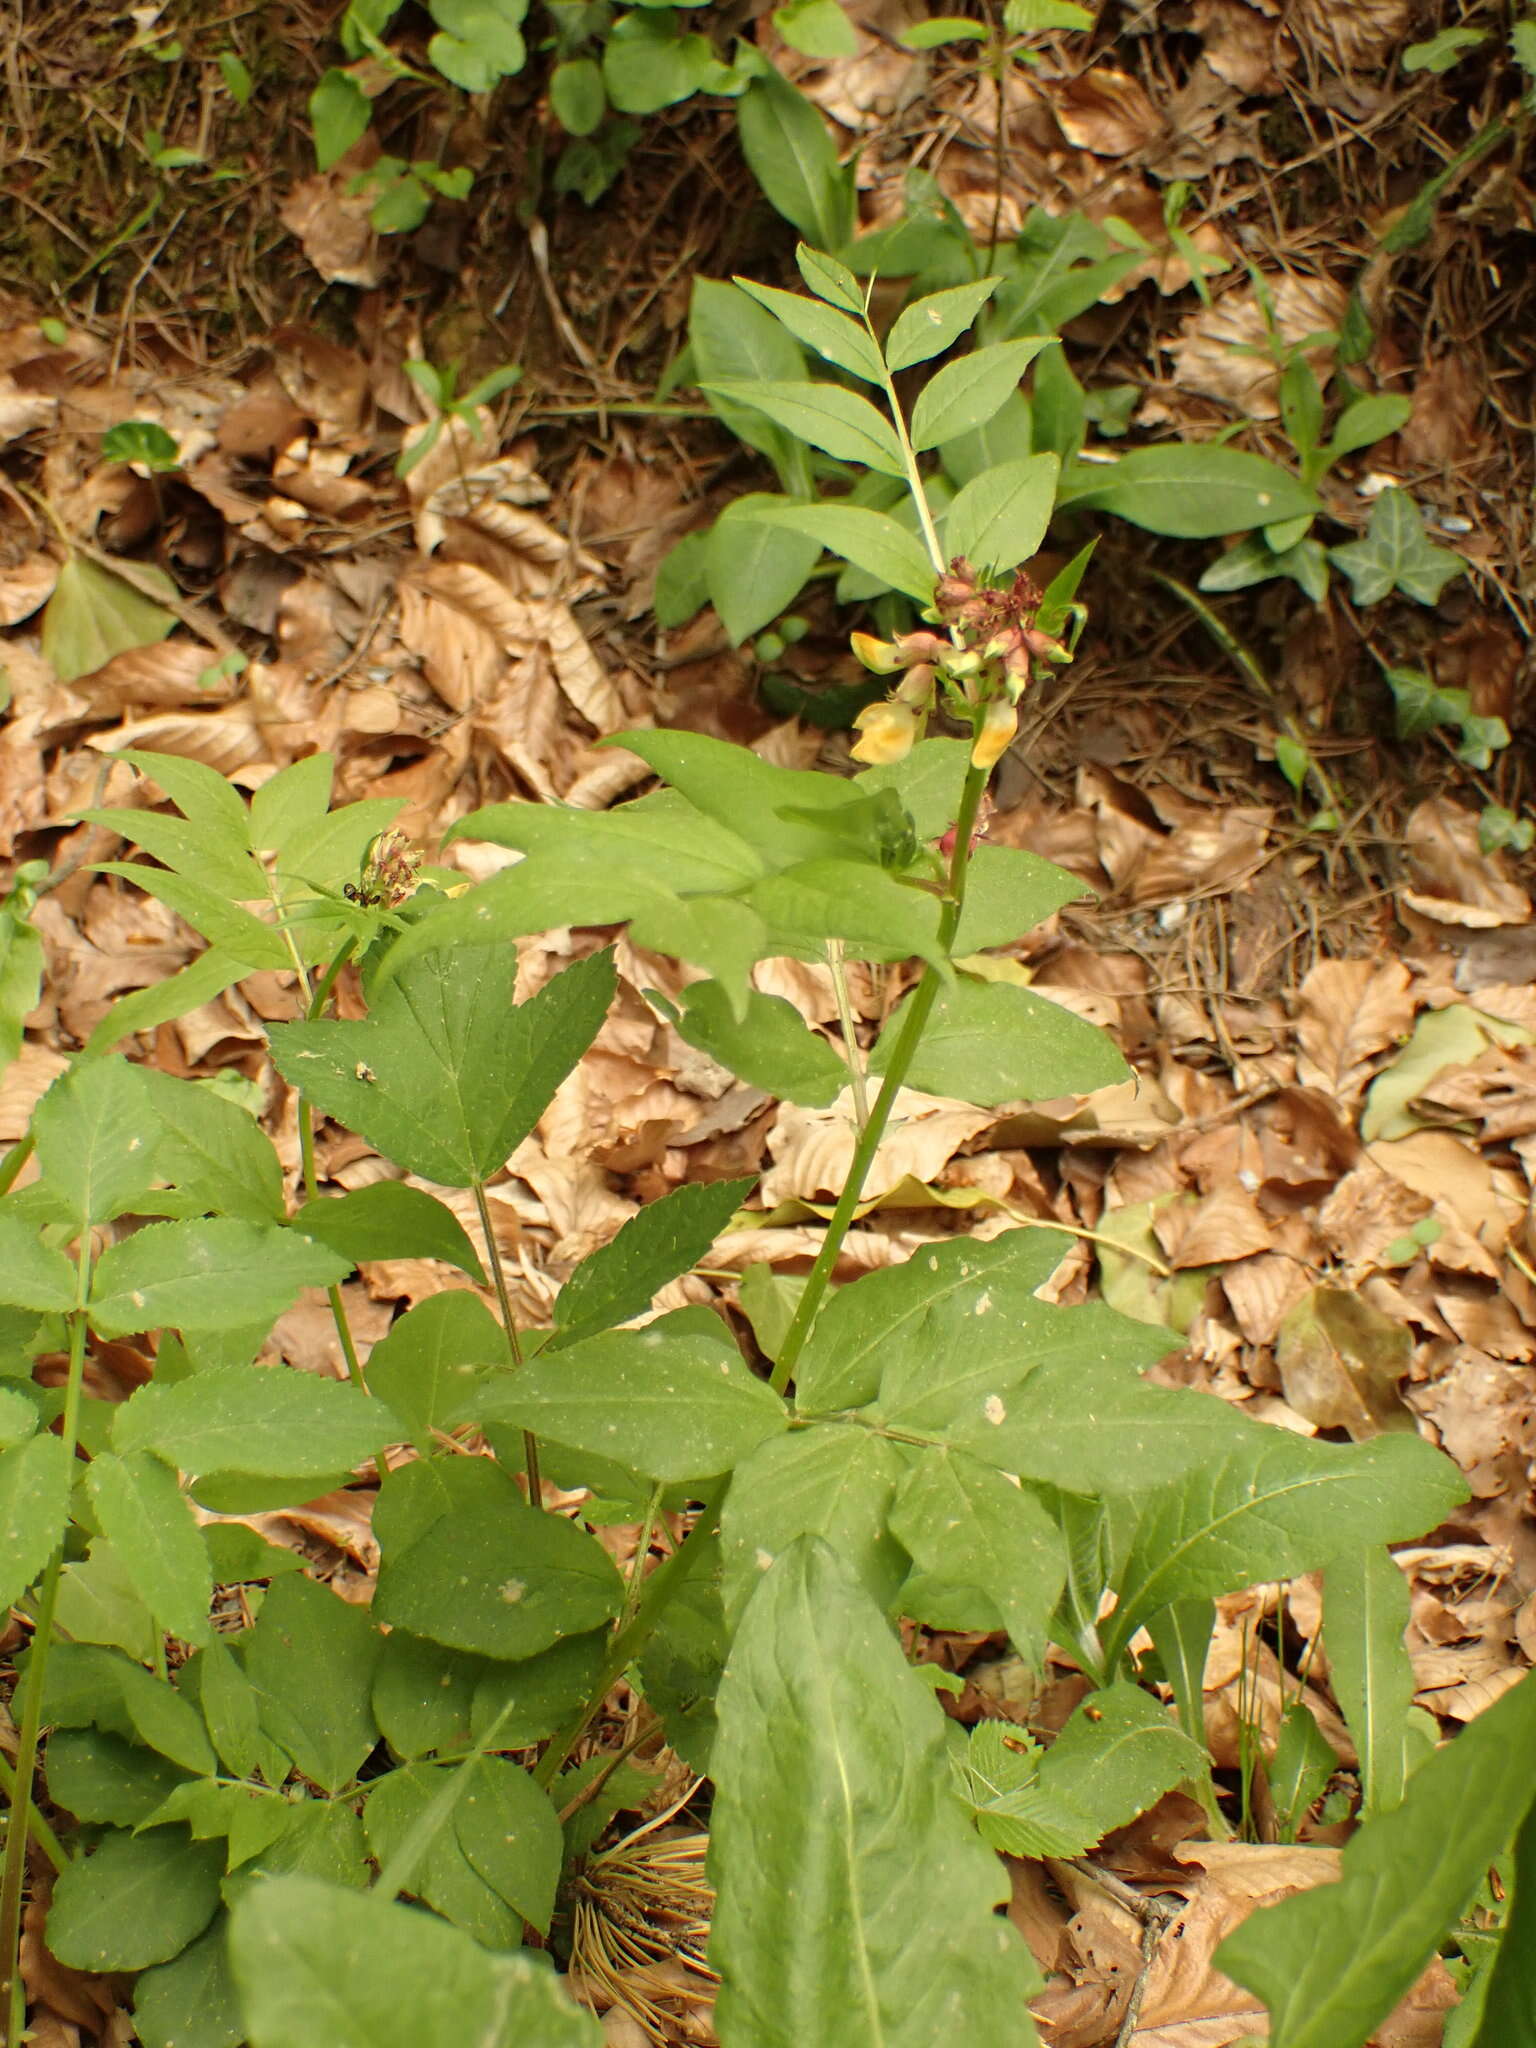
(681,587)
(1276,1509)
(989,1042)
(32,1274)
(646,66)
(190,848)
(753,571)
(964,394)
(1009,436)
(339,114)
(266,1420)
(875,916)
(96,1139)
(829,279)
(673,1408)
(93,615)
(232,1711)
(19,1418)
(681,1664)
(1059,408)
(448,1075)
(870,540)
(1104,1768)
(523,1702)
(772,808)
(211,1274)
(683,843)
(966,1525)
(576,95)
(930,325)
(882,1900)
(836,1481)
(190,2002)
(870,1326)
(1396,554)
(328,851)
(1191,493)
(409,1818)
(821,327)
(791,155)
(423,1694)
(202,795)
(1371,418)
(1510,1996)
(497,1577)
(770,1047)
(1365,1604)
(432,1362)
(1300,1768)
(98,1602)
(507,1829)
(145,1516)
(664,1241)
(310,1661)
(998,519)
(100,1777)
(320,1967)
(136,1899)
(1332,1962)
(214,1151)
(34,1509)
(820,28)
(87,1685)
(296,799)
(729,337)
(829,417)
(390,1220)
(1007,893)
(177,996)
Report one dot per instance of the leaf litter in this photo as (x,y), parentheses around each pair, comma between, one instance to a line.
(1333,1095)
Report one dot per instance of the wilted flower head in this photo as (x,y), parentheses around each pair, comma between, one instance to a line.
(999,624)
(388,875)
(886,733)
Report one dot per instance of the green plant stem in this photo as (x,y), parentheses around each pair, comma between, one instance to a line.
(636,1581)
(637,1629)
(837,968)
(42,1834)
(29,1729)
(509,1324)
(314,1005)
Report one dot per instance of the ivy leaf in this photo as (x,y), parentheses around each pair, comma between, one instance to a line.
(93,615)
(1396,554)
(448,1074)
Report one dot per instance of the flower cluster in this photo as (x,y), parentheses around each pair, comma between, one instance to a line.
(388,875)
(983,660)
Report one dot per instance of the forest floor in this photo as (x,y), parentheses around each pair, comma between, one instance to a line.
(1322,1178)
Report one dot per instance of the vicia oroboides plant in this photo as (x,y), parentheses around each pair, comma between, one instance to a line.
(304,1822)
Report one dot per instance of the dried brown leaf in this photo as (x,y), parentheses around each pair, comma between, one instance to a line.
(1348,1012)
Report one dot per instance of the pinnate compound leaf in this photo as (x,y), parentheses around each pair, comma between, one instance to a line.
(1274,1509)
(872,541)
(1332,1962)
(32,1274)
(998,519)
(213,1150)
(34,1507)
(989,1042)
(929,326)
(829,279)
(837,421)
(1188,492)
(1396,554)
(874,915)
(390,1220)
(881,1324)
(448,1074)
(322,1967)
(135,1900)
(967,1525)
(146,1518)
(965,394)
(729,337)
(93,615)
(665,1240)
(1366,1605)
(257,1419)
(882,1899)
(671,1407)
(96,1139)
(770,1046)
(821,327)
(213,1274)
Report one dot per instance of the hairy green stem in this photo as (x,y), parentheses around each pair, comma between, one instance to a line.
(509,1324)
(837,968)
(29,1728)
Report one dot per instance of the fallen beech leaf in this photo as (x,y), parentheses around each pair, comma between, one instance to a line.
(1348,1012)
(1106,112)
(1341,1363)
